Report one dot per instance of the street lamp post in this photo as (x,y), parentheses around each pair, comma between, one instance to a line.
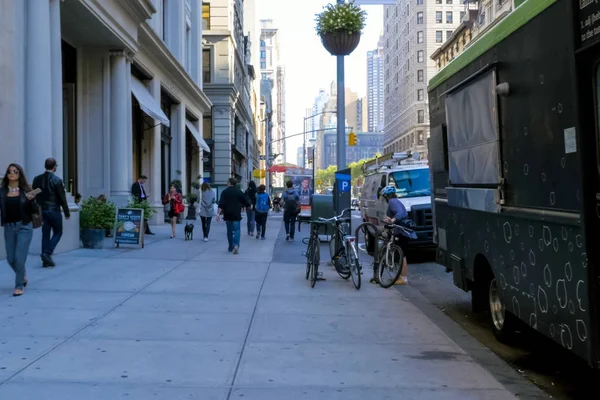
(341,114)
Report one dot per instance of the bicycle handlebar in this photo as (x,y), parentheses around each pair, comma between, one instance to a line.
(337,218)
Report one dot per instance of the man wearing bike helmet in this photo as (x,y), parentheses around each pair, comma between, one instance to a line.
(395,213)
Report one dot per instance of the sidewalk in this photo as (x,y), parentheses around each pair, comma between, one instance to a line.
(190,320)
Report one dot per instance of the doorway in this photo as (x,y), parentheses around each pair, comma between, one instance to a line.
(69,75)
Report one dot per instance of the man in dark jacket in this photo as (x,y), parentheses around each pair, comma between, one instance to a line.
(51,200)
(139,193)
(291,205)
(230,208)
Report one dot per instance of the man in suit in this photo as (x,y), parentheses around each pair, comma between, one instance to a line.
(51,200)
(139,193)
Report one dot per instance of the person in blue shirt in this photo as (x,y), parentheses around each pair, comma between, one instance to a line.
(395,213)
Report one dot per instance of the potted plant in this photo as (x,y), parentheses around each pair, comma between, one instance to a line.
(340,26)
(149,212)
(191,198)
(96,216)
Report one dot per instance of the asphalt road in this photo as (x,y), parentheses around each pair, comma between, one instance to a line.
(532,355)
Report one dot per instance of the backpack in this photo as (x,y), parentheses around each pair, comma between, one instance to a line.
(262,203)
(291,200)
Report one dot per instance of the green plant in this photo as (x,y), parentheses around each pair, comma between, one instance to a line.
(192,198)
(347,17)
(196,185)
(176,183)
(97,213)
(149,212)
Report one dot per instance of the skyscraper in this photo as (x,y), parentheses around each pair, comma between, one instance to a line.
(413,30)
(375,97)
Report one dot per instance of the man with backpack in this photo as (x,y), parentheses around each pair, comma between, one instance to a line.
(262,206)
(291,209)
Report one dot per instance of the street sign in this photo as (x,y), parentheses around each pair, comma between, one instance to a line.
(343,182)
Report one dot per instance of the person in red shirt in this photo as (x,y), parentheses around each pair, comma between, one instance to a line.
(175,201)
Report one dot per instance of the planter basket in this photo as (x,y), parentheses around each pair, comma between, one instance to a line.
(340,43)
(93,238)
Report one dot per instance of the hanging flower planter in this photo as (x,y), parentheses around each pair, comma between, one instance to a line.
(340,27)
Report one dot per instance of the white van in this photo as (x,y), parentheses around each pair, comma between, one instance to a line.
(413,188)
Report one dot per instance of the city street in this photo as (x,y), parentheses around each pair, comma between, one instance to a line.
(189,320)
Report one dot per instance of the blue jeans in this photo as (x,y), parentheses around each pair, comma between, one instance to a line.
(52,220)
(233,233)
(250,215)
(17,238)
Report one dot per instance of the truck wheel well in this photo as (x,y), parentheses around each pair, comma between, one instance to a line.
(482,270)
(482,275)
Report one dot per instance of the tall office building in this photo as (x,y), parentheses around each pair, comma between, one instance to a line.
(375,82)
(271,69)
(413,30)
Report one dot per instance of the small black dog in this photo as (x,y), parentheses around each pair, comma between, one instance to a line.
(189,231)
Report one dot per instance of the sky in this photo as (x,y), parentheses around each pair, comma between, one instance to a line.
(309,67)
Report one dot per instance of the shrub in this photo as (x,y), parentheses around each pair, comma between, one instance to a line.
(97,213)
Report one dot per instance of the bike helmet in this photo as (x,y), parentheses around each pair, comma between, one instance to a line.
(388,190)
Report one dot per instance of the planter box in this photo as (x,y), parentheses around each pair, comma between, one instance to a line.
(93,238)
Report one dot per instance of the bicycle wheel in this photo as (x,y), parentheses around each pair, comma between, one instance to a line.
(340,262)
(315,256)
(391,258)
(308,258)
(354,265)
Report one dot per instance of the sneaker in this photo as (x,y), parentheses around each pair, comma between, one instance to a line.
(402,280)
(287,238)
(257,237)
(236,249)
(291,239)
(206,239)
(262,238)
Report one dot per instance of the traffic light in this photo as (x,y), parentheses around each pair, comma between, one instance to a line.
(352,139)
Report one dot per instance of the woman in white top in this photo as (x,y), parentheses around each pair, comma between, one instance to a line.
(207,210)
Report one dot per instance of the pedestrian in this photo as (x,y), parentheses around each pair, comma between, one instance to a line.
(52,198)
(176,207)
(262,207)
(17,209)
(291,209)
(230,207)
(207,208)
(250,214)
(139,194)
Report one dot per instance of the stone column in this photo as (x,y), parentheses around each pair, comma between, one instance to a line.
(196,71)
(38,88)
(120,163)
(178,145)
(175,14)
(57,88)
(156,190)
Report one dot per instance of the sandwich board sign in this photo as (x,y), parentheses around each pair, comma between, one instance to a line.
(129,227)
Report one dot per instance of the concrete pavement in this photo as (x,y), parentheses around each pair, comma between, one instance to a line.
(190,320)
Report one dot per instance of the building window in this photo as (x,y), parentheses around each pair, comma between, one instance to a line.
(420,116)
(263,65)
(420,37)
(207,131)
(438,37)
(419,2)
(206,72)
(164,20)
(448,35)
(188,48)
(420,141)
(263,54)
(449,17)
(420,75)
(263,44)
(420,56)
(438,17)
(420,95)
(420,18)
(205,16)
(264,77)
(438,1)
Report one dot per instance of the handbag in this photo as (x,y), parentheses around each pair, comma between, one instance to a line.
(36,220)
(179,208)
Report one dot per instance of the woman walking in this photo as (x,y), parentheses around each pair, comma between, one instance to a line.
(17,207)
(251,194)
(262,207)
(207,209)
(174,200)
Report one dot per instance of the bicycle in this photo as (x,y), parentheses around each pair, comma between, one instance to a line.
(313,253)
(390,256)
(345,259)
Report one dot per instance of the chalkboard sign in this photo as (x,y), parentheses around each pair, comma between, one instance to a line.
(129,226)
(589,21)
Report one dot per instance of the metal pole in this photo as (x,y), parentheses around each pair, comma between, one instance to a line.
(267,156)
(304,146)
(341,113)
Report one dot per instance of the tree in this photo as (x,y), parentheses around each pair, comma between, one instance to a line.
(326,177)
